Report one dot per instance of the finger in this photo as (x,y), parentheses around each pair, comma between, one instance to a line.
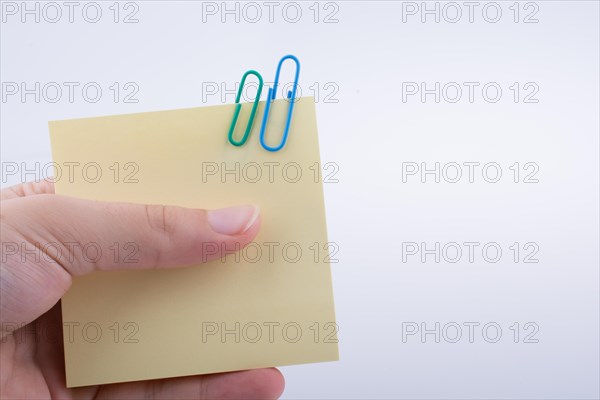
(84,235)
(27,189)
(252,384)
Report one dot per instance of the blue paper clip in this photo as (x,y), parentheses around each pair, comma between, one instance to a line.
(291,95)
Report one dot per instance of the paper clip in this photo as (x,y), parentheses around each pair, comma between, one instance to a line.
(291,95)
(238,107)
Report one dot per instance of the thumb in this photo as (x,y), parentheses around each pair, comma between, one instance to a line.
(48,238)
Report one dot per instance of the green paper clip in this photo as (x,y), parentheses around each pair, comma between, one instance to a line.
(238,107)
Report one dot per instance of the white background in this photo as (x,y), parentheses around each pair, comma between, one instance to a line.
(176,49)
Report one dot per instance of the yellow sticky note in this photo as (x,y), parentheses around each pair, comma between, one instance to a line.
(270,304)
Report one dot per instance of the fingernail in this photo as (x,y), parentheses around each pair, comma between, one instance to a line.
(232,220)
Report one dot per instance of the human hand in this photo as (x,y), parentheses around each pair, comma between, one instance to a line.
(30,288)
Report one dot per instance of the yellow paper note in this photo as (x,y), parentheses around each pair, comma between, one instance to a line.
(270,304)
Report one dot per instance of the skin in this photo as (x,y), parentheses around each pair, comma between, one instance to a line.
(31,363)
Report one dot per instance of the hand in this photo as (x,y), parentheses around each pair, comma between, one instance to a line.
(31,288)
